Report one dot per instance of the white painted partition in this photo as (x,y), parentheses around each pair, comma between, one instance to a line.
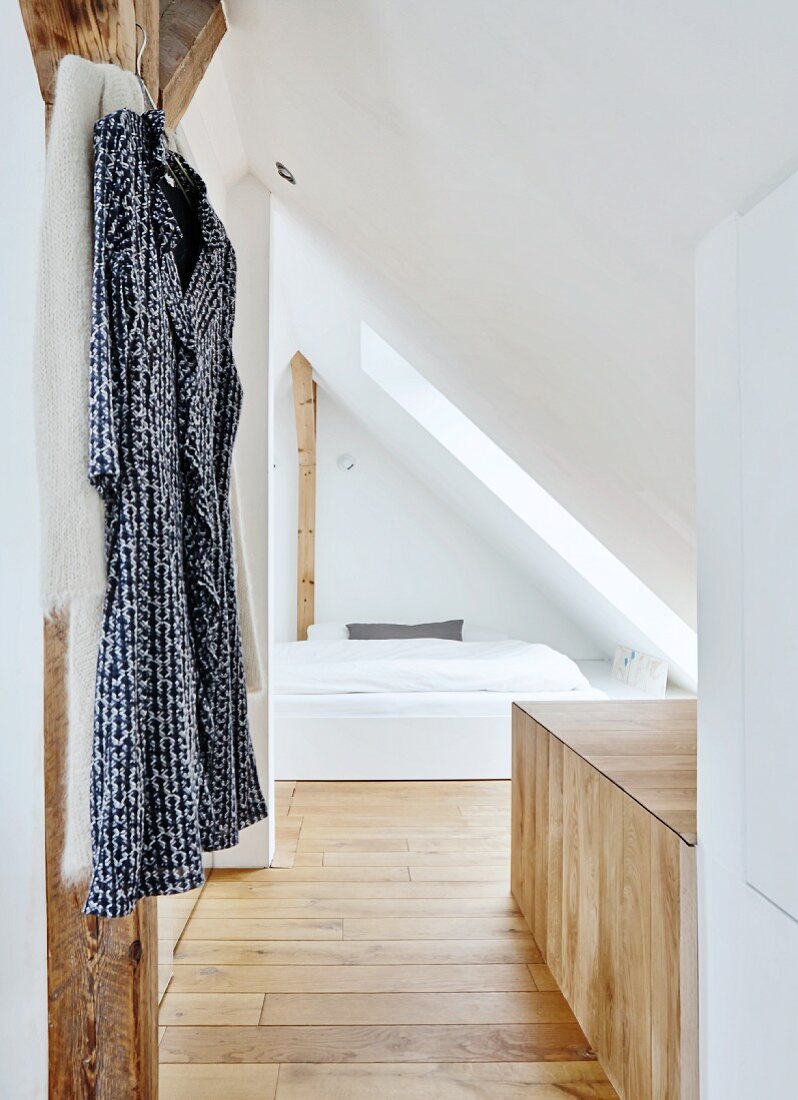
(768,287)
(746,405)
(23,985)
(210,129)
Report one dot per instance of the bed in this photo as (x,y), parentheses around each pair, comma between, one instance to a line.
(410,708)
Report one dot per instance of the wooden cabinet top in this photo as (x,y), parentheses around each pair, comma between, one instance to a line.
(646,747)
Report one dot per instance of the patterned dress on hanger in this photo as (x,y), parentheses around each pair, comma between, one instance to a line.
(173,771)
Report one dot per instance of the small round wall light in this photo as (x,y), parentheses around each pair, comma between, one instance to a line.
(346,463)
(284,173)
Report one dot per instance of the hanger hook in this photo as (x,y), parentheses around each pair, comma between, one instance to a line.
(139,56)
(143,47)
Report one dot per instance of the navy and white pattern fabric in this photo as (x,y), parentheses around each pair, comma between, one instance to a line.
(173,770)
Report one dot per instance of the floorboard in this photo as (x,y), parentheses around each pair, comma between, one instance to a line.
(384,957)
(442,978)
(357,952)
(447,1081)
(413,1008)
(377,1043)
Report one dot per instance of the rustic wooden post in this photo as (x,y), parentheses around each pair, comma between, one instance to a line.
(102,974)
(304,389)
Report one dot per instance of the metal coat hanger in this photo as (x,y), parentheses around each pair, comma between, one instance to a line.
(174,162)
(139,56)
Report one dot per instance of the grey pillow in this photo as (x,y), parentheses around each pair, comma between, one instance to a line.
(452,630)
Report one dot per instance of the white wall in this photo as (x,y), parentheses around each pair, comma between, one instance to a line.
(247,224)
(389,549)
(748,948)
(243,204)
(768,293)
(23,988)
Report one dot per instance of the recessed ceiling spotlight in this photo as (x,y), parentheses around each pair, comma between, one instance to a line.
(284,173)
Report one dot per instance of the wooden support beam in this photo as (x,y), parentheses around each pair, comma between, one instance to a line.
(102,974)
(190,32)
(96,29)
(305,412)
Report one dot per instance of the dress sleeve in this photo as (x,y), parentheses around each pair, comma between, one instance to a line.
(108,328)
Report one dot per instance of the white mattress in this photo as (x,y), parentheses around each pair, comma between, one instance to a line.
(421,665)
(427,704)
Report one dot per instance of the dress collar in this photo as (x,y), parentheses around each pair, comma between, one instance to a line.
(211,228)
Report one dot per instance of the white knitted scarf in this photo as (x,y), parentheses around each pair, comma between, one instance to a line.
(72,551)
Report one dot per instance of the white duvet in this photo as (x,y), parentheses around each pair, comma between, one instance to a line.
(420,664)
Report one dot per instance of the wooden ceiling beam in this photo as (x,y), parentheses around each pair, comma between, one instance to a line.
(190,31)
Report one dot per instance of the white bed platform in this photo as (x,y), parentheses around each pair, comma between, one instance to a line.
(424,735)
(410,735)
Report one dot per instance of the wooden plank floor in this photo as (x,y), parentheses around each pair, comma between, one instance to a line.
(382,958)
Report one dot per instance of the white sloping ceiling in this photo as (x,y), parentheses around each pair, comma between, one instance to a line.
(533,179)
(322,302)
